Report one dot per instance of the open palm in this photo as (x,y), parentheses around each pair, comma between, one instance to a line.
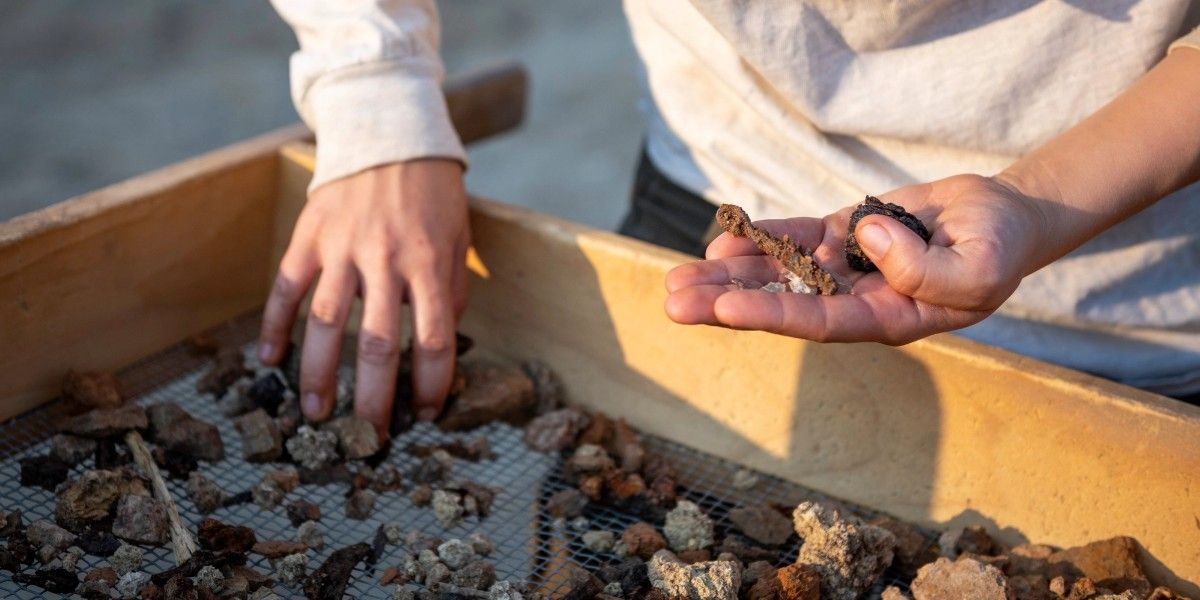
(985,239)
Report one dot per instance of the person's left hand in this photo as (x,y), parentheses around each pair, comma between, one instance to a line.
(987,235)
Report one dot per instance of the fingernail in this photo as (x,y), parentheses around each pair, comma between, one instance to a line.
(311,405)
(427,414)
(265,351)
(874,238)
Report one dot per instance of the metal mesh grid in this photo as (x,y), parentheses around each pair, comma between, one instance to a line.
(530,546)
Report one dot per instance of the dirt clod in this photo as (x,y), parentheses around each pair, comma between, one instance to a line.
(873,206)
(789,254)
(475,575)
(762,523)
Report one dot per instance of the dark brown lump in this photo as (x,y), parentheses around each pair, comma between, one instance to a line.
(227,368)
(873,206)
(329,581)
(794,258)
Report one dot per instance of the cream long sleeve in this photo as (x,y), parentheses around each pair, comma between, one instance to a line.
(367,79)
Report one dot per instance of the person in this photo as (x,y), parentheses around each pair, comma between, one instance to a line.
(1047,145)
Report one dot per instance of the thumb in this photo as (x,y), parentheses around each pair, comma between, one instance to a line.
(949,277)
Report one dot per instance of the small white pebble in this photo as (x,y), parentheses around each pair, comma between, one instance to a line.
(745,479)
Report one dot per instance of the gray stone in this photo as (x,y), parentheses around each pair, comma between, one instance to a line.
(142,520)
(712,580)
(447,508)
(126,559)
(848,554)
(481,543)
(455,553)
(205,494)
(44,533)
(292,570)
(131,584)
(599,541)
(504,590)
(309,533)
(71,449)
(313,449)
(688,528)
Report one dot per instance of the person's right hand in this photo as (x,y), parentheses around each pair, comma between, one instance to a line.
(393,233)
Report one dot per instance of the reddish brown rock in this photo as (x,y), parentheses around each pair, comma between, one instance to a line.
(972,538)
(556,430)
(174,429)
(692,557)
(491,393)
(84,391)
(227,368)
(421,495)
(793,582)
(1114,558)
(643,540)
(627,447)
(286,479)
(913,548)
(204,493)
(620,486)
(278,548)
(218,537)
(106,422)
(964,578)
(300,511)
(261,440)
(599,431)
(142,520)
(762,523)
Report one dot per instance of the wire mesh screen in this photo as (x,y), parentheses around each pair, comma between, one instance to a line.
(530,545)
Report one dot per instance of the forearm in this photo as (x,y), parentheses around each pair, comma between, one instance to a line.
(1140,147)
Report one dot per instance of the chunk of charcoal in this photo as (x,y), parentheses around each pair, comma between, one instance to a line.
(57,580)
(110,454)
(329,581)
(873,206)
(176,464)
(268,391)
(97,542)
(45,472)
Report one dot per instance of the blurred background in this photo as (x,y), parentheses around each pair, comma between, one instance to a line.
(95,92)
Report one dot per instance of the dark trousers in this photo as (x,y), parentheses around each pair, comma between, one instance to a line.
(665,214)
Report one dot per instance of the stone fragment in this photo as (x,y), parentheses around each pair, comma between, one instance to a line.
(126,559)
(387,479)
(475,575)
(142,520)
(267,494)
(277,548)
(548,390)
(418,542)
(70,558)
(45,472)
(226,369)
(848,554)
(433,468)
(261,440)
(715,580)
(455,553)
(913,548)
(130,585)
(504,590)
(642,540)
(292,570)
(628,448)
(566,504)
(174,429)
(300,510)
(688,528)
(313,449)
(492,393)
(84,391)
(360,504)
(106,422)
(481,543)
(1113,558)
(264,593)
(892,592)
(745,479)
(964,578)
(588,459)
(210,578)
(972,538)
(556,430)
(599,431)
(435,574)
(216,536)
(356,436)
(45,533)
(762,523)
(793,582)
(421,495)
(71,449)
(1031,587)
(205,494)
(309,534)
(447,508)
(599,541)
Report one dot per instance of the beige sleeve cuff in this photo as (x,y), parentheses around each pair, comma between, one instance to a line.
(1191,40)
(375,114)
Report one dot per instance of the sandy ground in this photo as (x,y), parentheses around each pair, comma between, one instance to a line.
(94,92)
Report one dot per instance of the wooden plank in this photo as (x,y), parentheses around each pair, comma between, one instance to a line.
(941,431)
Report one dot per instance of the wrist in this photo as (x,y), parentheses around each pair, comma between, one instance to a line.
(1033,187)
